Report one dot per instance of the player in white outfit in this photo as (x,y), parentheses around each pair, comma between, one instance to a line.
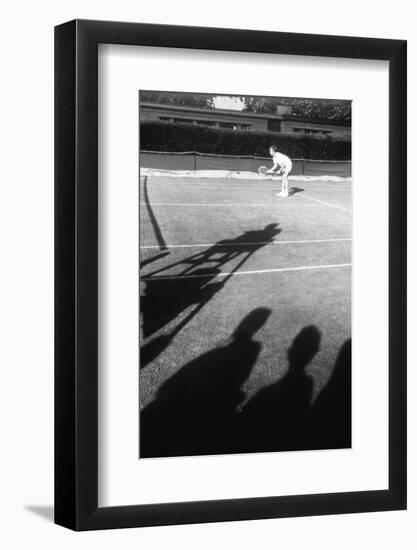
(282,165)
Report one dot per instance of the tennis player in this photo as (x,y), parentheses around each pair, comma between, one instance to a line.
(282,165)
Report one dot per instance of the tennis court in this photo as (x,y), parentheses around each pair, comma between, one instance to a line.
(232,276)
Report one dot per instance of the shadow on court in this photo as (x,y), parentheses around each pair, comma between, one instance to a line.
(276,418)
(331,418)
(281,417)
(193,283)
(198,410)
(294,190)
(152,259)
(194,411)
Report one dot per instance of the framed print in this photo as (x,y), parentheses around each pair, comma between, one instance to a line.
(230,275)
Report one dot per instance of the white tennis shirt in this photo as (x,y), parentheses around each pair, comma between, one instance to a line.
(282,160)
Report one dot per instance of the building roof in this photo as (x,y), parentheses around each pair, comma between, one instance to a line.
(242,114)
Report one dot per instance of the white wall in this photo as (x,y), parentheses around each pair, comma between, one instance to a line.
(26,302)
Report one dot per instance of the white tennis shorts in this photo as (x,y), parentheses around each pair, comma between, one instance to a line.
(287,168)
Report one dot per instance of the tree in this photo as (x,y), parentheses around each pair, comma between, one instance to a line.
(330,109)
(178,98)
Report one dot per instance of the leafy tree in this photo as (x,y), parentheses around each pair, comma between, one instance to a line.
(177,98)
(330,109)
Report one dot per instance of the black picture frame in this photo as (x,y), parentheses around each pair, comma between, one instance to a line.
(76,272)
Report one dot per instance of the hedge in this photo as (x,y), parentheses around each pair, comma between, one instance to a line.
(168,137)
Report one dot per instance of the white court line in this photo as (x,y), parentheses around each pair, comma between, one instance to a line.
(233,273)
(203,245)
(268,184)
(327,203)
(217,204)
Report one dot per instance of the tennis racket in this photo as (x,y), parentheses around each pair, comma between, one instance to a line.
(262,170)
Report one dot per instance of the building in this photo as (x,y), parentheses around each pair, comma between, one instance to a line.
(283,121)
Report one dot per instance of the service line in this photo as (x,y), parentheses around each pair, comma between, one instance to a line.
(254,272)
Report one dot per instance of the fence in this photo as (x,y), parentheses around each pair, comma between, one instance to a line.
(198,161)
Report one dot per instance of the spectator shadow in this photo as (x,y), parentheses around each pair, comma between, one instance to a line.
(331,414)
(276,418)
(194,412)
(197,411)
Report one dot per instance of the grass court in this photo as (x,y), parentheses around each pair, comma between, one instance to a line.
(238,287)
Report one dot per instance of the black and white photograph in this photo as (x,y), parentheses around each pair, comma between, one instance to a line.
(208,263)
(245,274)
